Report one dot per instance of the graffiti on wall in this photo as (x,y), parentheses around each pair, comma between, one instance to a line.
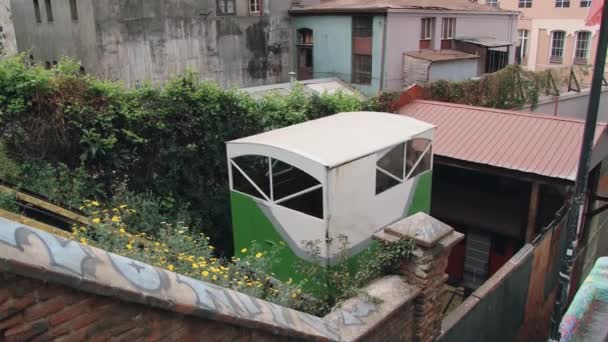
(21,245)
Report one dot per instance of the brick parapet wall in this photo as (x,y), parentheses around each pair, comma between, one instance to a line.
(426,268)
(57,289)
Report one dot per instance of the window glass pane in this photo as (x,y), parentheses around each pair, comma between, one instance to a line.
(288,180)
(392,161)
(256,168)
(384,182)
(415,148)
(310,203)
(363,26)
(37,11)
(362,69)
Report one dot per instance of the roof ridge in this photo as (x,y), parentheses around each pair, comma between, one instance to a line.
(507,111)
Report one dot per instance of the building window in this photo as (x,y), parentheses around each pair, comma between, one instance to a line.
(525,3)
(557,47)
(73,9)
(523,44)
(581,52)
(37,11)
(562,3)
(493,3)
(426,33)
(254,6)
(418,157)
(362,69)
(448,30)
(363,26)
(226,7)
(585,3)
(49,10)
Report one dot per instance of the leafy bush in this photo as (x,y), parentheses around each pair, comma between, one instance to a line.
(80,137)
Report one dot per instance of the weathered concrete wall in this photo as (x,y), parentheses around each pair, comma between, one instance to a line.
(154,40)
(8,45)
(415,70)
(49,41)
(457,70)
(572,104)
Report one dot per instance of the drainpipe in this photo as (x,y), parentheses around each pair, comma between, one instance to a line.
(582,177)
(383,62)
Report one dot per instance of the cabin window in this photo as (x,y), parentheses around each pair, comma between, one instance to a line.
(557,47)
(448,31)
(390,169)
(418,157)
(279,183)
(562,3)
(362,33)
(581,51)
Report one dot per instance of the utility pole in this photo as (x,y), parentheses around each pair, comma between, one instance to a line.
(582,176)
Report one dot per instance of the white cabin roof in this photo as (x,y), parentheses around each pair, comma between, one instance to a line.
(340,138)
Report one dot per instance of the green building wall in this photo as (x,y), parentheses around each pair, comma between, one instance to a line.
(332,48)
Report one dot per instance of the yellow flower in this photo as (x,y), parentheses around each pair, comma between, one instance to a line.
(294,295)
(194,265)
(122,230)
(115,219)
(95,203)
(122,206)
(171,267)
(129,246)
(259,255)
(214,277)
(239,283)
(289,281)
(96,220)
(83,241)
(244,250)
(211,247)
(156,244)
(205,274)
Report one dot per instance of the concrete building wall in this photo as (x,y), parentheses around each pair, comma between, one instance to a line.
(403,35)
(49,41)
(153,40)
(8,45)
(458,70)
(332,48)
(572,104)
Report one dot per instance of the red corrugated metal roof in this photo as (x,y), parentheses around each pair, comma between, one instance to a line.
(540,144)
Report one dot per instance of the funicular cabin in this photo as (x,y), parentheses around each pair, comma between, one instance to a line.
(349,174)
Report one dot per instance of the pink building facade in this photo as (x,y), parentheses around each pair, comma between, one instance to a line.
(552,33)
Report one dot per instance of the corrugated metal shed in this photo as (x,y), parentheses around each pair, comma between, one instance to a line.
(538,144)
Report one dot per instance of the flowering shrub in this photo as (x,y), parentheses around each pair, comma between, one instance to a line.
(178,249)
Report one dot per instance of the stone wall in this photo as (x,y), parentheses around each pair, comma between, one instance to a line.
(57,289)
(8,45)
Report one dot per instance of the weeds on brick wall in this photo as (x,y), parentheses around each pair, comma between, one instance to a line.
(177,248)
(345,278)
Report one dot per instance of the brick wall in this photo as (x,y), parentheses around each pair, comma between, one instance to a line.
(34,310)
(56,289)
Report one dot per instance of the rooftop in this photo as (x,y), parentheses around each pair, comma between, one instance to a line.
(315,86)
(538,144)
(345,6)
(340,138)
(440,55)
